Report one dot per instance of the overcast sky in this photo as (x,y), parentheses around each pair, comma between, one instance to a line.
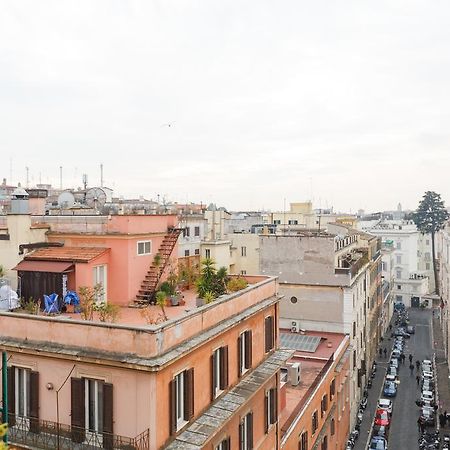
(345,102)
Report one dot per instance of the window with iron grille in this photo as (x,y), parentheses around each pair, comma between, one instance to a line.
(314,422)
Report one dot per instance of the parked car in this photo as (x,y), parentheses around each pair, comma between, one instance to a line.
(428,385)
(428,416)
(378,443)
(390,390)
(427,368)
(427,396)
(392,371)
(394,362)
(392,378)
(411,329)
(382,418)
(380,430)
(385,403)
(396,353)
(427,375)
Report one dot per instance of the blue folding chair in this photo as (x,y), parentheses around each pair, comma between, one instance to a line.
(51,304)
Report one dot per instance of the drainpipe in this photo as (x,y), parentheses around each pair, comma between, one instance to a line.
(5,393)
(35,245)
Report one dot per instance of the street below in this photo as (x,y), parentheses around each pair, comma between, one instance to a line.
(404,429)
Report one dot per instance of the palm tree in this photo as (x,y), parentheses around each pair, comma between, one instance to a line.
(161,298)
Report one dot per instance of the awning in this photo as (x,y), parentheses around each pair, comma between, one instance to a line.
(44,266)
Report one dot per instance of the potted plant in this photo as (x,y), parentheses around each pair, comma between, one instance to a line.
(161,298)
(211,283)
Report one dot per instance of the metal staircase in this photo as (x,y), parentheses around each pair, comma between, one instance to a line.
(150,283)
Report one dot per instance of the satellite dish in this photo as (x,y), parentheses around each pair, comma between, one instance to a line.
(66,199)
(95,197)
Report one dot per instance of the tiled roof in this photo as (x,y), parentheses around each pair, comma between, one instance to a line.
(75,254)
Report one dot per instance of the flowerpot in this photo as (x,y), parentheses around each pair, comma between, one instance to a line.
(174,300)
(199,302)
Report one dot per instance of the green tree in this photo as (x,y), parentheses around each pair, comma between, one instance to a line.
(430,217)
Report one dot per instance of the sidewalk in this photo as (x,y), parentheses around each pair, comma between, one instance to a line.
(443,382)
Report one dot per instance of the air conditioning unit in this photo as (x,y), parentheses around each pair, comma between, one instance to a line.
(295,326)
(294,373)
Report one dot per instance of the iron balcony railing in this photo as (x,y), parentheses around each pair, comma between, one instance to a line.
(51,435)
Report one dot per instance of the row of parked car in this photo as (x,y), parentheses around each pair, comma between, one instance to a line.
(383,414)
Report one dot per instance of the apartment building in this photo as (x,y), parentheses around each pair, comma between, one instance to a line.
(315,407)
(412,255)
(330,283)
(207,378)
(443,255)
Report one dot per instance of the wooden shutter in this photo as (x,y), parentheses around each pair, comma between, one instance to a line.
(250,431)
(108,405)
(34,402)
(11,397)
(266,411)
(227,443)
(172,407)
(188,394)
(239,355)
(269,333)
(224,367)
(248,349)
(78,414)
(273,405)
(241,434)
(213,376)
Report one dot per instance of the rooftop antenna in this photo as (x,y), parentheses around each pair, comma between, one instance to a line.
(10,170)
(85,180)
(28,173)
(101,175)
(284,215)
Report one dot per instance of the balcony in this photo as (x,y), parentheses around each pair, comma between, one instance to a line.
(51,435)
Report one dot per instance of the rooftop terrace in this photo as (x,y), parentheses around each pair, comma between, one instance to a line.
(131,339)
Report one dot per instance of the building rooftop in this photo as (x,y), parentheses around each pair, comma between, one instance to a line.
(313,368)
(133,339)
(74,254)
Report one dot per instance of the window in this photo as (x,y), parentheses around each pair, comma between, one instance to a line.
(186,232)
(243,272)
(292,222)
(225,444)
(332,388)
(399,259)
(277,222)
(244,351)
(324,444)
(354,359)
(181,399)
(323,405)
(269,334)
(144,247)
(427,242)
(399,245)
(354,329)
(383,266)
(427,266)
(270,408)
(99,277)
(186,253)
(399,286)
(93,405)
(246,432)
(243,251)
(314,422)
(197,251)
(332,427)
(196,231)
(207,253)
(427,256)
(92,410)
(219,371)
(399,298)
(303,442)
(398,273)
